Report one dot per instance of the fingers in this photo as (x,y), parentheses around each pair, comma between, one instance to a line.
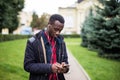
(64,65)
(55,67)
(60,68)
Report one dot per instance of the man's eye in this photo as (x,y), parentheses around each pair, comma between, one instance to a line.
(56,29)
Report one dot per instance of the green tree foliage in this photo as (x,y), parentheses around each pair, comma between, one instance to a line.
(44,20)
(87,29)
(35,20)
(8,13)
(87,32)
(107,28)
(41,22)
(105,36)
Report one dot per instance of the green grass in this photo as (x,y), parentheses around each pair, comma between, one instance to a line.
(12,56)
(96,67)
(11,60)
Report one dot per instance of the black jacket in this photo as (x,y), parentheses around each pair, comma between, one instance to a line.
(34,58)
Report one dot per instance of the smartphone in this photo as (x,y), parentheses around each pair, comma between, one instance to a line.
(67,65)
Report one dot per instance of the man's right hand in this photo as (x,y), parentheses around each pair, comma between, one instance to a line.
(55,67)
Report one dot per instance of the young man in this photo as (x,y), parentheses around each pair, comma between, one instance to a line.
(45,55)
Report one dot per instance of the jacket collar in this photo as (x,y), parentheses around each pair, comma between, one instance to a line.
(58,39)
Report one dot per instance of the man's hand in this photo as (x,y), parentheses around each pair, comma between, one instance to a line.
(55,67)
(60,68)
(63,68)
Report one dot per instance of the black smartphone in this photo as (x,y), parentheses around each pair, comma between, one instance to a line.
(67,65)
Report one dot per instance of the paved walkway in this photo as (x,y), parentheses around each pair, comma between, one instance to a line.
(76,71)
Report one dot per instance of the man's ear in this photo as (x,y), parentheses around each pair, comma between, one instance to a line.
(49,25)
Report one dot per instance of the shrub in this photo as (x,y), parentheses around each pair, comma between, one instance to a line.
(9,37)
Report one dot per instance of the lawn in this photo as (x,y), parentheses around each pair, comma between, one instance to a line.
(11,60)
(96,67)
(12,56)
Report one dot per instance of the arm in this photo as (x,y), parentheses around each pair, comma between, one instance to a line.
(65,64)
(65,54)
(30,64)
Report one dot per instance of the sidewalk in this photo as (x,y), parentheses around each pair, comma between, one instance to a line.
(76,71)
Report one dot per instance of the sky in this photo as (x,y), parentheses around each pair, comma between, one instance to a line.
(46,6)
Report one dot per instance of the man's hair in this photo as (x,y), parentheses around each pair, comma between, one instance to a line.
(55,17)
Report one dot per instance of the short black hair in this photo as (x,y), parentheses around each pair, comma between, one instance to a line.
(55,17)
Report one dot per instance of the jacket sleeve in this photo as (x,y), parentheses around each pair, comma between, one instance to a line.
(65,54)
(30,64)
(65,57)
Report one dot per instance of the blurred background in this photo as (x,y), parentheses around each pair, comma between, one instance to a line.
(32,15)
(91,31)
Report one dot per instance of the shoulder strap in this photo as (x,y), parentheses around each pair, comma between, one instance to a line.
(44,51)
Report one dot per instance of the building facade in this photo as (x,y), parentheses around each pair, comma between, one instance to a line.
(25,20)
(75,15)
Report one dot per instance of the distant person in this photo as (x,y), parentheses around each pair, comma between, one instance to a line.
(46,55)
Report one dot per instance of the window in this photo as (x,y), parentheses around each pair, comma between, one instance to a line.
(69,21)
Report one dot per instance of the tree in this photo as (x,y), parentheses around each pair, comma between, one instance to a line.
(107,28)
(44,20)
(35,20)
(9,10)
(41,22)
(86,31)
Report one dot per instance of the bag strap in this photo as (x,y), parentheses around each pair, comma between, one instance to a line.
(44,51)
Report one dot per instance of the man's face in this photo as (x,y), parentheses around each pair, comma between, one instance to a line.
(56,28)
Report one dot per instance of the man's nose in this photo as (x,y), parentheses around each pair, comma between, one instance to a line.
(57,32)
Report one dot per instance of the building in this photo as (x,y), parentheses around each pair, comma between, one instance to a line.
(24,23)
(75,15)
